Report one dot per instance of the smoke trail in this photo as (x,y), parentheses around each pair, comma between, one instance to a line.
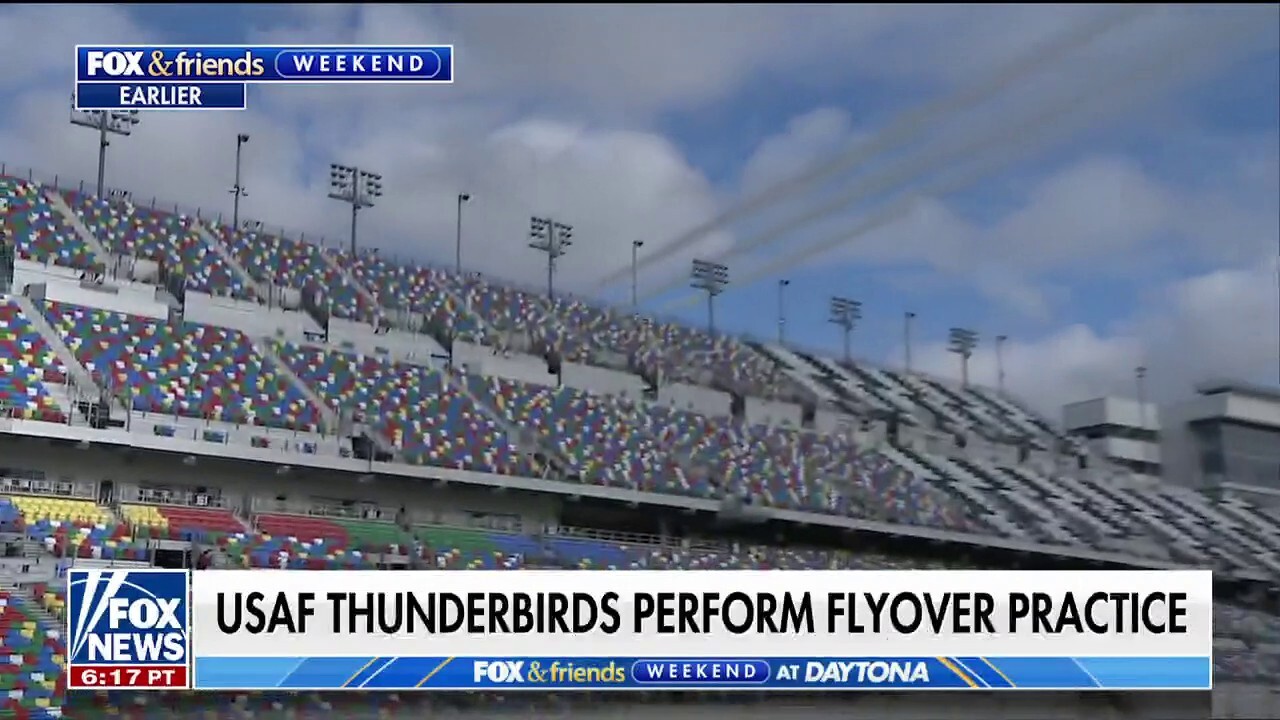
(903,128)
(1141,82)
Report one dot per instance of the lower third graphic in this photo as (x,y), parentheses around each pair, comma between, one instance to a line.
(127,629)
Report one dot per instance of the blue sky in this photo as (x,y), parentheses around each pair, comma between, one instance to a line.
(1116,206)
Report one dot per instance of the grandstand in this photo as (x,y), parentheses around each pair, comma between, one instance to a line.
(172,386)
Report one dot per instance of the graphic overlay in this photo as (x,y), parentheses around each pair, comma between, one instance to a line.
(128,629)
(191,77)
(160,96)
(1139,630)
(627,673)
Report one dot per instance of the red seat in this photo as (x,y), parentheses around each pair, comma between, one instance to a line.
(208,520)
(304,528)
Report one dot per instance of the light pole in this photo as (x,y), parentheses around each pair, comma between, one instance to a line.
(552,238)
(237,190)
(907,317)
(1140,378)
(782,311)
(106,122)
(354,186)
(845,314)
(1000,341)
(635,255)
(710,278)
(463,199)
(963,341)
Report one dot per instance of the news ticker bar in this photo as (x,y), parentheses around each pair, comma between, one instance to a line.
(398,64)
(633,673)
(161,96)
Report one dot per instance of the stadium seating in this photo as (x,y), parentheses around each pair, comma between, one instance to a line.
(580,330)
(413,407)
(180,523)
(26,363)
(417,289)
(311,543)
(42,233)
(497,425)
(286,263)
(171,240)
(193,371)
(598,435)
(75,527)
(1079,510)
(31,660)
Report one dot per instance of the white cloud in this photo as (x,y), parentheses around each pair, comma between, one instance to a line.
(807,140)
(1220,324)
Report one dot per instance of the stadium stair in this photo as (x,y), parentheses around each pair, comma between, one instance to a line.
(328,417)
(38,228)
(29,371)
(77,372)
(99,252)
(190,370)
(251,288)
(32,684)
(37,608)
(434,294)
(527,440)
(368,306)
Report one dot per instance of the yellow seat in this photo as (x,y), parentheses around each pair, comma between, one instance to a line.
(145,515)
(44,508)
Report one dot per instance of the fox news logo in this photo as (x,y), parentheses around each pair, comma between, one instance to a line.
(127,627)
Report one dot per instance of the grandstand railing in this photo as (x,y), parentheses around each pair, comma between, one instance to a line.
(18,481)
(174,497)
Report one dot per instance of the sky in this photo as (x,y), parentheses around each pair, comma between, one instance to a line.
(1099,184)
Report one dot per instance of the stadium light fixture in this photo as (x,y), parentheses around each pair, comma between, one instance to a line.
(106,122)
(463,199)
(907,318)
(782,311)
(1000,341)
(711,278)
(237,190)
(845,314)
(635,269)
(554,239)
(359,188)
(1140,378)
(962,341)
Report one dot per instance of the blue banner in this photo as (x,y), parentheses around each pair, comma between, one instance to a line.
(633,673)
(264,63)
(160,96)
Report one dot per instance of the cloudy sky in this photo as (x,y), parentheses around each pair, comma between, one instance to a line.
(1102,185)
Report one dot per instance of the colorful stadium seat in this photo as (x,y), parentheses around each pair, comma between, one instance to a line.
(42,234)
(26,364)
(431,422)
(171,240)
(192,370)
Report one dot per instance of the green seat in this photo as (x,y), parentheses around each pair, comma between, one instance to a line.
(365,533)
